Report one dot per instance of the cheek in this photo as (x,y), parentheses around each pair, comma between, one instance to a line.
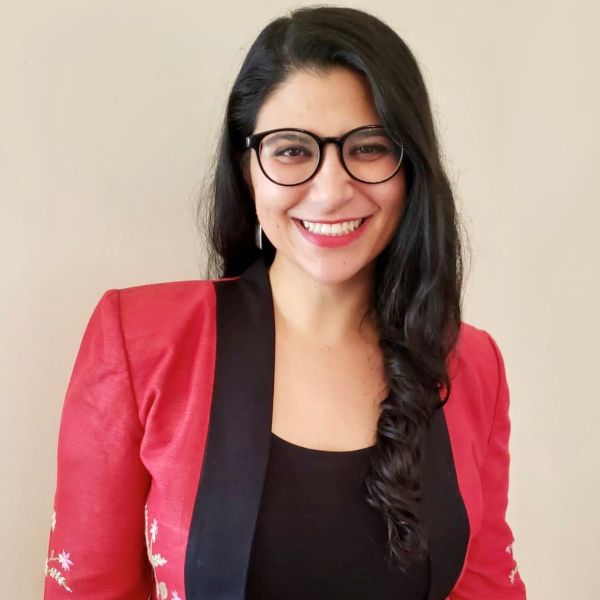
(266,196)
(272,203)
(392,198)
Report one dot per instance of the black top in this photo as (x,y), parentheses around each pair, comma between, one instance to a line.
(317,538)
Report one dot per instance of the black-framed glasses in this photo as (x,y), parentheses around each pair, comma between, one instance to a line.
(291,156)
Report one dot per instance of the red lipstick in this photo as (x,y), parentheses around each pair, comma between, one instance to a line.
(332,241)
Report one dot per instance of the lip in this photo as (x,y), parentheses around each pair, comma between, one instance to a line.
(332,241)
(331,222)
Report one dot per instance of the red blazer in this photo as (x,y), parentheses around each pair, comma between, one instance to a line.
(164,442)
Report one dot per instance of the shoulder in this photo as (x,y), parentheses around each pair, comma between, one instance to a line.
(477,375)
(157,319)
(166,334)
(161,305)
(476,351)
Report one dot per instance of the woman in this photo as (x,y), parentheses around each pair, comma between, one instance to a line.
(317,422)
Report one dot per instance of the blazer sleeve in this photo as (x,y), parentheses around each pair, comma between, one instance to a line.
(97,546)
(490,570)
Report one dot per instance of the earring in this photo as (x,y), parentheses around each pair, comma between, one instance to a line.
(258,235)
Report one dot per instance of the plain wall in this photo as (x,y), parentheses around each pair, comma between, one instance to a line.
(108,117)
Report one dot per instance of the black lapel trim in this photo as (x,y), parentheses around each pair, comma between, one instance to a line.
(444,512)
(235,461)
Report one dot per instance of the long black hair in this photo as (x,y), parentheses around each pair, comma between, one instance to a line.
(418,276)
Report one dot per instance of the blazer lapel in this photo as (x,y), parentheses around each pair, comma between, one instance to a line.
(237,450)
(448,538)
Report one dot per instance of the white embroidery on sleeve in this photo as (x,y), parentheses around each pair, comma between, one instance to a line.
(156,560)
(63,559)
(513,574)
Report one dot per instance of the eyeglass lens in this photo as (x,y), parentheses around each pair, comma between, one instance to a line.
(291,157)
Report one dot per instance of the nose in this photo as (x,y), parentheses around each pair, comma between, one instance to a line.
(331,185)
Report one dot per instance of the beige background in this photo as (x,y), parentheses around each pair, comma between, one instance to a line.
(108,112)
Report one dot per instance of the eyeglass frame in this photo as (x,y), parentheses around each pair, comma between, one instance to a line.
(254,140)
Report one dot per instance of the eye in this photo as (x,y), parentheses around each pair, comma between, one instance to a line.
(292,153)
(369,151)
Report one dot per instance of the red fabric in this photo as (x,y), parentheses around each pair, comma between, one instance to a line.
(479,428)
(133,429)
(132,437)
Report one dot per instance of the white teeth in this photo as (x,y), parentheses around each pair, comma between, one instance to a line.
(332,229)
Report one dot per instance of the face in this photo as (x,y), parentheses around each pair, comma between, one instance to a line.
(329,105)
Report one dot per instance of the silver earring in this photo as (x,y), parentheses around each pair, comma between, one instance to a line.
(258,235)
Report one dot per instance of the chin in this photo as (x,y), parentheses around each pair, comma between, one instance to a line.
(333,272)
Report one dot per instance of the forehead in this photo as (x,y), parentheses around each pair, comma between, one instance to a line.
(329,103)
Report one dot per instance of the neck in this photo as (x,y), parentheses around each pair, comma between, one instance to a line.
(325,314)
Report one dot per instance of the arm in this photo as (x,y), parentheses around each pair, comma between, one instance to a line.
(490,570)
(96,548)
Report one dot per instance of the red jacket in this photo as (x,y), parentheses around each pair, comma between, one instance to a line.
(164,442)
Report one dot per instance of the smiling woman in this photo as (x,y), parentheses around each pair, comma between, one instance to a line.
(316,420)
(325,186)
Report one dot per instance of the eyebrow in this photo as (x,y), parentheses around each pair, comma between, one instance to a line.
(294,136)
(290,136)
(369,132)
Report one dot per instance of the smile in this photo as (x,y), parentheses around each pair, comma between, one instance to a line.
(333,229)
(332,235)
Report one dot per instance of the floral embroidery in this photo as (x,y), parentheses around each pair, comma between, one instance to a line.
(64,559)
(154,530)
(513,573)
(156,560)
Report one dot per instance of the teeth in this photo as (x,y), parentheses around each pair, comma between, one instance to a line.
(332,229)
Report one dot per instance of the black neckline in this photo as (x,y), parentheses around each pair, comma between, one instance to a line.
(319,452)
